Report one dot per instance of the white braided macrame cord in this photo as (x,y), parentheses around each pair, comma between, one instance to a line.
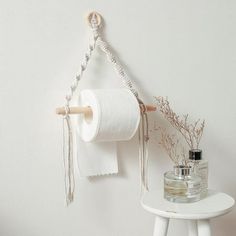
(143,130)
(67,127)
(143,127)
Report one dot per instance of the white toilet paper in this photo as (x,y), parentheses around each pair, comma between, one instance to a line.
(116,116)
(97,158)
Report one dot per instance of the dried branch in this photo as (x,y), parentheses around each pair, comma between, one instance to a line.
(172,146)
(192,133)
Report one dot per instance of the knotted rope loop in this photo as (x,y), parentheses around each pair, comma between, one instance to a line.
(67,110)
(95,21)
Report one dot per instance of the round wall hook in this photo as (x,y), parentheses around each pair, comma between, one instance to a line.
(94,16)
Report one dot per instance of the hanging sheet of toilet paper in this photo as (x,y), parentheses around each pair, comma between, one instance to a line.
(116,117)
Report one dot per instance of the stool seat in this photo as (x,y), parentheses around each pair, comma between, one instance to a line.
(198,213)
(215,204)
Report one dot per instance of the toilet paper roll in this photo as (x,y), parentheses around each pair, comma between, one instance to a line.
(116,115)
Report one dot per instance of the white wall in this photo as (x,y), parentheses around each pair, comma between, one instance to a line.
(184,49)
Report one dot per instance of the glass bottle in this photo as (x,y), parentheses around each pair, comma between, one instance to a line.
(200,168)
(182,185)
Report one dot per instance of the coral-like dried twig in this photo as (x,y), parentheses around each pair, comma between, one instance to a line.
(192,133)
(172,146)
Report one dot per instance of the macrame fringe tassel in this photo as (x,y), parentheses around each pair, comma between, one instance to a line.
(68,159)
(143,149)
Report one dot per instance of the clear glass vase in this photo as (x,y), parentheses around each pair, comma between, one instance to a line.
(182,185)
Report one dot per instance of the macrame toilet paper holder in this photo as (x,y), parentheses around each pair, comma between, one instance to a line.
(95,20)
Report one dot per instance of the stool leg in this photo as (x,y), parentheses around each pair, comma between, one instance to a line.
(161,226)
(192,228)
(204,228)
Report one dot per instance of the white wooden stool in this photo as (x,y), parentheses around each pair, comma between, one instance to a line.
(198,213)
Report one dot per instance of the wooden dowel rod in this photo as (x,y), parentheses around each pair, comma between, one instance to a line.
(74,110)
(88,110)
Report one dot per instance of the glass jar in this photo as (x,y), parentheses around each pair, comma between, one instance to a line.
(182,185)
